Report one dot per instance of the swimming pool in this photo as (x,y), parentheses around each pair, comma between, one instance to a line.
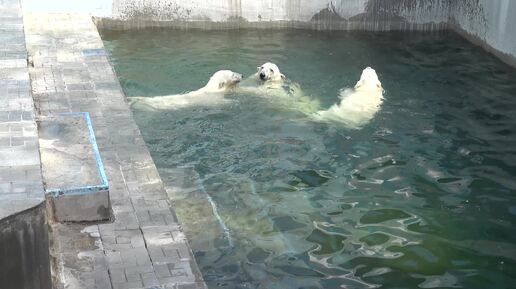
(424,195)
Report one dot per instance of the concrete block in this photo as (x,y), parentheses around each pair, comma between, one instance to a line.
(72,169)
(85,207)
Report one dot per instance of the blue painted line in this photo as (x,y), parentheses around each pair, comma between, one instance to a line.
(77,191)
(98,160)
(94,52)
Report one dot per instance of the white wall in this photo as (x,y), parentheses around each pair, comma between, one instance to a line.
(218,10)
(417,11)
(491,22)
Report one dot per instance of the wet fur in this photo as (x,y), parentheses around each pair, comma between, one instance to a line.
(213,92)
(357,105)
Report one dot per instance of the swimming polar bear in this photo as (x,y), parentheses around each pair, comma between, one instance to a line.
(212,93)
(269,82)
(267,76)
(358,105)
(269,72)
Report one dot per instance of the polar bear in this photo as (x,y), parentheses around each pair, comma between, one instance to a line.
(221,81)
(267,76)
(358,105)
(269,72)
(212,93)
(269,82)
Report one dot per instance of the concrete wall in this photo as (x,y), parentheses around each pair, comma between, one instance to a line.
(486,22)
(24,258)
(264,11)
(413,11)
(489,23)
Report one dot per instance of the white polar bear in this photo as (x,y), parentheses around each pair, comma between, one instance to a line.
(268,76)
(270,72)
(212,93)
(269,82)
(357,106)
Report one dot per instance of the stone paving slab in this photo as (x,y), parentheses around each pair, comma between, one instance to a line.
(21,186)
(81,258)
(145,246)
(64,140)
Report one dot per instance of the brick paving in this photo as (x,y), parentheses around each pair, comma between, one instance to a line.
(21,186)
(145,246)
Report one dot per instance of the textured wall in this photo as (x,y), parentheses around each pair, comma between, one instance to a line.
(217,10)
(379,13)
(486,22)
(490,23)
(372,15)
(414,11)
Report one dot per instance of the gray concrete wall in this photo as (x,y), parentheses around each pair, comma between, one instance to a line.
(422,11)
(327,14)
(343,14)
(489,23)
(24,258)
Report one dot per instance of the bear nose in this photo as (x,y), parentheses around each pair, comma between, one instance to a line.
(262,75)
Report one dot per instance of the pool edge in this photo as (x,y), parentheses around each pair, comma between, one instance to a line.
(140,203)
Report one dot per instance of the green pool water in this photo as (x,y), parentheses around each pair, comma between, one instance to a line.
(422,196)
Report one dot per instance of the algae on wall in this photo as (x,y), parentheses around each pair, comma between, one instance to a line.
(490,22)
(412,11)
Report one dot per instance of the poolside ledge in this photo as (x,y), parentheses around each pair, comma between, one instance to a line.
(145,246)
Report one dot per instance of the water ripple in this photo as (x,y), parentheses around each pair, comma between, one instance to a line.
(422,197)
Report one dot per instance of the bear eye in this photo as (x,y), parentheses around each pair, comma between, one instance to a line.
(270,70)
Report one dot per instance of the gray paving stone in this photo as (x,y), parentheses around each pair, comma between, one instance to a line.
(4,117)
(128,285)
(78,250)
(150,279)
(113,257)
(117,275)
(14,156)
(157,217)
(13,63)
(17,141)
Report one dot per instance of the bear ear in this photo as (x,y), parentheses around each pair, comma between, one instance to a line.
(359,83)
(258,68)
(221,84)
(282,76)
